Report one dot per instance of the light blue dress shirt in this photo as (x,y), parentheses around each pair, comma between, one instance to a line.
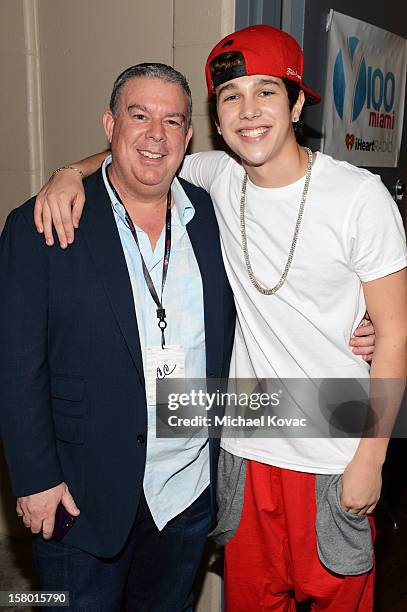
(177,470)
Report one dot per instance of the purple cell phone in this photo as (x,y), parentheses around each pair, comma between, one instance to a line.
(63,523)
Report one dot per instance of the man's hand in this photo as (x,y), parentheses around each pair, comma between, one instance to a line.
(60,202)
(361,485)
(38,510)
(363,339)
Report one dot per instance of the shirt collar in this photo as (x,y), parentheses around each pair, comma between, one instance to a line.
(183,209)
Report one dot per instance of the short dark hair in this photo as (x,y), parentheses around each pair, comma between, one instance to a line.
(228,60)
(151,71)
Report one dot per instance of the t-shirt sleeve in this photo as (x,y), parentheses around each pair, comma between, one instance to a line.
(201,168)
(377,240)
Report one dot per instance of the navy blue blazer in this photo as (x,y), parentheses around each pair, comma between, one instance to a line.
(72,395)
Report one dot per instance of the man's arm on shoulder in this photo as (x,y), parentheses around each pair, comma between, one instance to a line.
(60,201)
(25,403)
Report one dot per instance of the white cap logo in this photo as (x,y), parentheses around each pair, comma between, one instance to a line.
(294,73)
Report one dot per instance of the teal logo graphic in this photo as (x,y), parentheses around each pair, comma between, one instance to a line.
(359,84)
(341,86)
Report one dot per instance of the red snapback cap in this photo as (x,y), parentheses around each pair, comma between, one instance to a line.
(265,50)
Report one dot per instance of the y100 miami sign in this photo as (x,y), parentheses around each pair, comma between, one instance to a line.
(365,92)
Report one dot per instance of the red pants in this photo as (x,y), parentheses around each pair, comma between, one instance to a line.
(272,559)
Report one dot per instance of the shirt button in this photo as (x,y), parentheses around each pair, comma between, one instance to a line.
(141,439)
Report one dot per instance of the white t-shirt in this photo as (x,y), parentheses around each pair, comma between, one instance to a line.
(351,232)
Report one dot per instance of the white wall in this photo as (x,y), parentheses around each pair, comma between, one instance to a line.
(84,45)
(19,112)
(198,26)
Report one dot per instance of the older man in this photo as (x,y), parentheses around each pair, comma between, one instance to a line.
(83,333)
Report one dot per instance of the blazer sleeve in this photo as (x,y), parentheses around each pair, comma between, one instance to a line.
(26,423)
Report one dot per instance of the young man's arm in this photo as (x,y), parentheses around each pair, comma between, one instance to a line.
(386,300)
(60,201)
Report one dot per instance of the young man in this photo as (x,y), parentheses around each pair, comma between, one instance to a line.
(308,242)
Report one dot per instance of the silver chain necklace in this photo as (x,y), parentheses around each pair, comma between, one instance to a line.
(283,277)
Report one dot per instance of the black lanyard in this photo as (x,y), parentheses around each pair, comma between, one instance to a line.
(162,323)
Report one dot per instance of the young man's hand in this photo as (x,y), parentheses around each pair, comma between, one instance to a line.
(38,510)
(361,485)
(60,203)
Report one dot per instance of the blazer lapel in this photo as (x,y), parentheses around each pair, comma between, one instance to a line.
(102,237)
(203,235)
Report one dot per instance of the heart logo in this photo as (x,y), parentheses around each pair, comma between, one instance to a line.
(350,141)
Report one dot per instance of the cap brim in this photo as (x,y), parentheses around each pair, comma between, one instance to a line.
(310,96)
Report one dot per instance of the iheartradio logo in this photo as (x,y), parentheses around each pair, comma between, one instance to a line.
(350,141)
(358,144)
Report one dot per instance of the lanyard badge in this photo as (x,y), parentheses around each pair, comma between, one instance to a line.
(162,323)
(161,316)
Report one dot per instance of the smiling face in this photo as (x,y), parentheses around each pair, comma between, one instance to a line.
(256,121)
(148,135)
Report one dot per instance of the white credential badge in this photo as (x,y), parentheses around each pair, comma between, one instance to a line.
(163,363)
